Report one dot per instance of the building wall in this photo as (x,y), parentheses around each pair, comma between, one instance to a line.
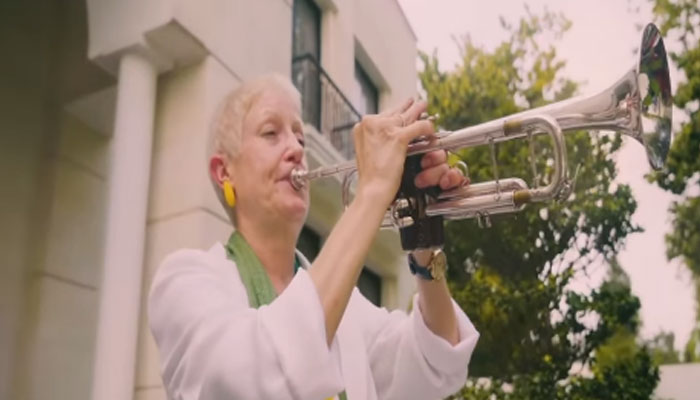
(113,25)
(53,181)
(56,118)
(386,47)
(377,34)
(21,139)
(678,382)
(56,290)
(64,291)
(248,38)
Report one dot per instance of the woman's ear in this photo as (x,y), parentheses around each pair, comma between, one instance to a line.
(217,169)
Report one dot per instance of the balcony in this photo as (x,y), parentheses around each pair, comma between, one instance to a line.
(324,105)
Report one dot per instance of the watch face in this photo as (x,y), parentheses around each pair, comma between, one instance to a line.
(438,265)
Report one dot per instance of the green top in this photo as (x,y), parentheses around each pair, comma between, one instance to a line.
(253,275)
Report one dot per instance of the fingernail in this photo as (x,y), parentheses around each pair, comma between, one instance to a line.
(417,182)
(444,181)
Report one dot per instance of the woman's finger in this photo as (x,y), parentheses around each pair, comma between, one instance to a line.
(431,176)
(412,113)
(400,108)
(433,158)
(412,131)
(452,178)
(440,175)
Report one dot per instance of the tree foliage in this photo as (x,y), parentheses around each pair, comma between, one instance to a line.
(663,349)
(514,279)
(679,20)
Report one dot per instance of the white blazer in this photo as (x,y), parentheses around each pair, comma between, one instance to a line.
(213,345)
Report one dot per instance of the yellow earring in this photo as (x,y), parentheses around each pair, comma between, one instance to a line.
(229,195)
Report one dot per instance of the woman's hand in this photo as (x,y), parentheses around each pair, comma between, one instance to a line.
(381,142)
(436,172)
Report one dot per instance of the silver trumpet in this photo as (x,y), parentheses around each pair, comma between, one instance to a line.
(638,105)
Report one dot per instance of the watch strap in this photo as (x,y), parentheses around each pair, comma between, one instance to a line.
(420,271)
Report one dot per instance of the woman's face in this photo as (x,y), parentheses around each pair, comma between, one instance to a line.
(271,146)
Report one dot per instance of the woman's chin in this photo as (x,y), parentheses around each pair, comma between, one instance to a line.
(296,209)
(293,205)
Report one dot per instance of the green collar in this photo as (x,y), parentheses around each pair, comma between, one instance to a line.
(253,275)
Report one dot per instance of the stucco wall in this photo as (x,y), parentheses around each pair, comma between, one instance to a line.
(50,231)
(54,164)
(678,382)
(64,288)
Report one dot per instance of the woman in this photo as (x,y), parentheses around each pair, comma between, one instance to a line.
(243,321)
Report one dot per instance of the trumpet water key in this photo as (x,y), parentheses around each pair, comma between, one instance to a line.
(639,105)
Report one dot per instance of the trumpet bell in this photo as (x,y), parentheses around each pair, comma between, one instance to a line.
(656,101)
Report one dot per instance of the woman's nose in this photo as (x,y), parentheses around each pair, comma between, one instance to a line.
(295,151)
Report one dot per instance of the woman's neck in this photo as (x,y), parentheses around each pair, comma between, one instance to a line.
(274,248)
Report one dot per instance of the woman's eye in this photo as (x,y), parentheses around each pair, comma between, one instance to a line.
(269,133)
(301,142)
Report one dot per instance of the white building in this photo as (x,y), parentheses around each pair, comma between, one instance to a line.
(104,111)
(678,382)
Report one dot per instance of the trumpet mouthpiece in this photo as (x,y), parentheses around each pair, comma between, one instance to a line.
(298,178)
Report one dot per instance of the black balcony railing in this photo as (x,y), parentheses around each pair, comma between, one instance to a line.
(324,105)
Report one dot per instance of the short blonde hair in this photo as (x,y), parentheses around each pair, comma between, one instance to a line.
(227,124)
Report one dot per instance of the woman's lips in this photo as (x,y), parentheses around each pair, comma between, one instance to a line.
(288,181)
(287,177)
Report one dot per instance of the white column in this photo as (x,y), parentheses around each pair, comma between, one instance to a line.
(120,292)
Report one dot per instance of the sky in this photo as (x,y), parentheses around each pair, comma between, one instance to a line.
(598,49)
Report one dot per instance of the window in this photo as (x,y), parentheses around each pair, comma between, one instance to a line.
(366,94)
(306,35)
(370,285)
(306,53)
(309,243)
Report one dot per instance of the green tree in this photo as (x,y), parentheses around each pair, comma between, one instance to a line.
(679,20)
(514,278)
(663,349)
